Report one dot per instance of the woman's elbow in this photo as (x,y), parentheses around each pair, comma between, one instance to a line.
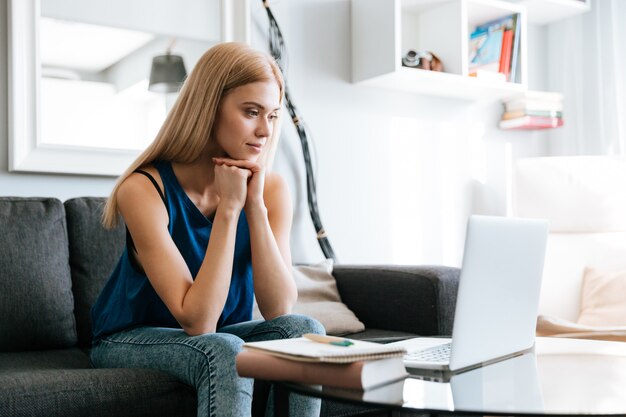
(198,330)
(277,311)
(197,327)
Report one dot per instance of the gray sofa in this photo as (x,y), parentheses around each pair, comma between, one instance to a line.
(54,259)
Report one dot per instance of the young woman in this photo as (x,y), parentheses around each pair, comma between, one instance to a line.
(208,230)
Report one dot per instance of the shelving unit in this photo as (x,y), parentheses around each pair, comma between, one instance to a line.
(384,30)
(541,12)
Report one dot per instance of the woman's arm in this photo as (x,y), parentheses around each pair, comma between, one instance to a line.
(268,210)
(196,304)
(270,226)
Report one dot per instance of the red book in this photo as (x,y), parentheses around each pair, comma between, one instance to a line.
(505,55)
(360,375)
(532,122)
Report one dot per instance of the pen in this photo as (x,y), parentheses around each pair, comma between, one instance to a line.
(336,341)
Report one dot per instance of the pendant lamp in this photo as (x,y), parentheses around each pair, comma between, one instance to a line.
(167,73)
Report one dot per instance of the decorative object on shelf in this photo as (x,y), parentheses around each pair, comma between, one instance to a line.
(422,60)
(167,72)
(279,52)
(533,110)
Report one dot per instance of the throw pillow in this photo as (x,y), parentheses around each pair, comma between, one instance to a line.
(319,298)
(602,301)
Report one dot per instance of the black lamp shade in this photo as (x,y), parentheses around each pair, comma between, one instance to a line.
(167,73)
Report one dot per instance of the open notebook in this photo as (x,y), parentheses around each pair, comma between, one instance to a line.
(305,350)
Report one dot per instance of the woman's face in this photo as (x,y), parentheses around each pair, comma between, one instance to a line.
(245,119)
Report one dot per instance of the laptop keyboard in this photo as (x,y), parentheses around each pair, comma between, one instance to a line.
(440,353)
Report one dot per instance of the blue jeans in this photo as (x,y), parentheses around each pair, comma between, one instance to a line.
(206,362)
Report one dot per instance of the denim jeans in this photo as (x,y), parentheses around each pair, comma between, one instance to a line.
(206,362)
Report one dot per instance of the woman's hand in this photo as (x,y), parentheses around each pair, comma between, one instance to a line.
(256,179)
(232,183)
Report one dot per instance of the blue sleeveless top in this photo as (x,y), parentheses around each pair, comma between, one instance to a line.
(128,299)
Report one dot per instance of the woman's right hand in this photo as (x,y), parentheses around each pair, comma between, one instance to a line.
(231,185)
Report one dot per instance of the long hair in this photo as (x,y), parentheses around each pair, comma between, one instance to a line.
(189,125)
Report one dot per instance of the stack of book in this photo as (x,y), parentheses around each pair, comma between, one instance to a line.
(533,110)
(323,360)
(494,50)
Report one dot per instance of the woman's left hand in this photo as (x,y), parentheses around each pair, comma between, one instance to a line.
(256,182)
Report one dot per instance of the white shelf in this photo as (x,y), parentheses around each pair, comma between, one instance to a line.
(541,12)
(443,84)
(383,30)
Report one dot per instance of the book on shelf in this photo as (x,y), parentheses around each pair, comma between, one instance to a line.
(515,68)
(533,105)
(485,49)
(520,113)
(355,375)
(492,45)
(504,22)
(505,55)
(306,350)
(531,122)
(533,101)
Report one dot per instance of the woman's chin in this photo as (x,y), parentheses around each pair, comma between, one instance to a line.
(250,158)
(243,156)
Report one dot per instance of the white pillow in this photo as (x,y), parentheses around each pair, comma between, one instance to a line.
(318,297)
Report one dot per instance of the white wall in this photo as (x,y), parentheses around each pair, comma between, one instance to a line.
(397,173)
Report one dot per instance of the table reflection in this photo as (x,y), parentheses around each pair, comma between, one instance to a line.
(508,386)
(561,376)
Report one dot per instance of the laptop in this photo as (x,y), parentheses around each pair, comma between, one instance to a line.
(497,300)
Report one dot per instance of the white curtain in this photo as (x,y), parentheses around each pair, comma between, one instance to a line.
(587,63)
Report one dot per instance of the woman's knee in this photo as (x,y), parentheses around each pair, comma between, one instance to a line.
(209,357)
(221,345)
(296,324)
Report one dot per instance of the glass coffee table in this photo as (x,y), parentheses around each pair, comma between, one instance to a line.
(560,377)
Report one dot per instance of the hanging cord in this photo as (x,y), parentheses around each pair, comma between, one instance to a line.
(279,52)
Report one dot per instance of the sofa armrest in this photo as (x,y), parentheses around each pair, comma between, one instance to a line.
(414,299)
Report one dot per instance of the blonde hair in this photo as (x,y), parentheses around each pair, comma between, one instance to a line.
(189,124)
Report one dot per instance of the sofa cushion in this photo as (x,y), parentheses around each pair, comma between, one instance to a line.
(39,360)
(94,251)
(36,303)
(94,392)
(62,382)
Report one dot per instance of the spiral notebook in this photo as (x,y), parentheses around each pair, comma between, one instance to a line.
(305,350)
